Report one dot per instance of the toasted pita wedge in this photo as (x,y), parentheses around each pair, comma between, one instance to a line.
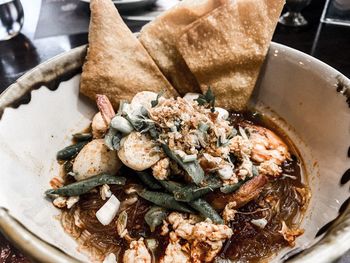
(226,48)
(160,36)
(117,65)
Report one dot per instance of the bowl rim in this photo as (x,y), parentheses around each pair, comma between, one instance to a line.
(72,61)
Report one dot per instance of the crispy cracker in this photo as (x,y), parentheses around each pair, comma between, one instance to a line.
(117,65)
(160,36)
(226,48)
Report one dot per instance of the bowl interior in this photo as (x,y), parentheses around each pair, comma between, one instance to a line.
(297,92)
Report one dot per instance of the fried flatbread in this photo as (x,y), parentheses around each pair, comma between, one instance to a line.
(160,36)
(117,65)
(226,48)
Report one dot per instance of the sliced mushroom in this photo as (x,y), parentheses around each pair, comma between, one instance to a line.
(138,151)
(95,158)
(143,98)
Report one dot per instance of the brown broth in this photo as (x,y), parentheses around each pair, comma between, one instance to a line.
(249,243)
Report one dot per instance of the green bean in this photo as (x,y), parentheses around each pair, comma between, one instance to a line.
(171,186)
(164,200)
(149,180)
(205,209)
(191,192)
(84,186)
(230,188)
(68,166)
(80,137)
(155,216)
(193,169)
(70,151)
(199,205)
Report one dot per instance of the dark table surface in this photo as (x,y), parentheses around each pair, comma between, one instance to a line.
(329,43)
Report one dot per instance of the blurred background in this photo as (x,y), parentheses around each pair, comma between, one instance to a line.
(33,31)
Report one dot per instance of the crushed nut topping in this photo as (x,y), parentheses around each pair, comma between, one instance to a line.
(229,212)
(161,170)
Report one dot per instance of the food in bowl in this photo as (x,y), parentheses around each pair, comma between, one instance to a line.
(192,181)
(172,176)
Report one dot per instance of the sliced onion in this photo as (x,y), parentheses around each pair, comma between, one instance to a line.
(223,114)
(111,258)
(121,124)
(108,211)
(191,96)
(261,222)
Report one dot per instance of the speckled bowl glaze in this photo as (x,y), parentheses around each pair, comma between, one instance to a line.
(306,98)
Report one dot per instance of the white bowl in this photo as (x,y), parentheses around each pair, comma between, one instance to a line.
(306,98)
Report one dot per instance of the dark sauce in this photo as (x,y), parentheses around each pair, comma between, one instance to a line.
(252,244)
(249,243)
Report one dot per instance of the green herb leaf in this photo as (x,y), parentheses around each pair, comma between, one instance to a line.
(112,139)
(142,123)
(149,180)
(207,98)
(191,192)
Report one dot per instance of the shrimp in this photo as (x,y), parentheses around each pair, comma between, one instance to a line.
(246,193)
(95,158)
(267,146)
(105,107)
(102,119)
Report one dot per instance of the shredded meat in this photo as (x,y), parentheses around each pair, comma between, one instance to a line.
(290,234)
(229,212)
(204,239)
(137,253)
(161,170)
(175,254)
(269,167)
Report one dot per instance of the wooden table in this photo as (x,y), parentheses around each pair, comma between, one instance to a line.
(328,43)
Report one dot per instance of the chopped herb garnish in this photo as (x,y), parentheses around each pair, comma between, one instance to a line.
(207,99)
(116,142)
(156,101)
(142,123)
(203,127)
(232,158)
(122,106)
(177,124)
(112,139)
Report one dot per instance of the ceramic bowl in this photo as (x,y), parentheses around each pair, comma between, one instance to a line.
(306,98)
